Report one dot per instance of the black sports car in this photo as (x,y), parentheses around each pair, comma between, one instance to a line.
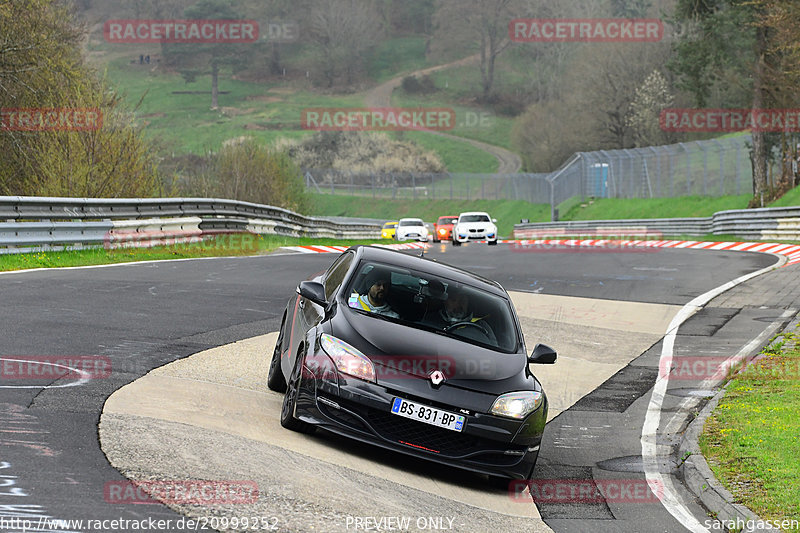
(415,356)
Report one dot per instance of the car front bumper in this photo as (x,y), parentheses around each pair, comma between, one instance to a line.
(360,410)
(474,236)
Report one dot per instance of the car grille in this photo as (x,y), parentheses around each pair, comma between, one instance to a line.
(424,436)
(402,429)
(441,441)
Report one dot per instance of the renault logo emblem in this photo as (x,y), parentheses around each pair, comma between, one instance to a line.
(437,378)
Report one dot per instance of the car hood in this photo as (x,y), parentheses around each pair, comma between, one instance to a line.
(400,351)
(471,225)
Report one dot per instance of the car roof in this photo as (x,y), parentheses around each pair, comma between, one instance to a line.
(474,213)
(402,260)
(412,218)
(448,216)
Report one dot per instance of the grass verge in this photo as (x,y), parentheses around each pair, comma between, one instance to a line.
(632,208)
(218,246)
(751,440)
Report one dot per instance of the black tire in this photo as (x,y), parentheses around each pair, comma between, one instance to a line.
(290,401)
(275,379)
(493,243)
(456,243)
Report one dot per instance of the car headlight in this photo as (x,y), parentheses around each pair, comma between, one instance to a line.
(348,360)
(517,404)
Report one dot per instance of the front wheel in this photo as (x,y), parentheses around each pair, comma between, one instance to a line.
(493,243)
(290,401)
(456,243)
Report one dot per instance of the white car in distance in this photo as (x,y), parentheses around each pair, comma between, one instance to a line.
(411,228)
(475,226)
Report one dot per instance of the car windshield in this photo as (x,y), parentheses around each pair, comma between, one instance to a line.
(413,222)
(475,218)
(452,220)
(390,225)
(422,300)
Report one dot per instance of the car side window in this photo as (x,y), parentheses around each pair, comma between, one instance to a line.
(336,273)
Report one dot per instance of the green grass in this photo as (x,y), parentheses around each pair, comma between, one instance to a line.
(507,212)
(751,440)
(791,198)
(186,123)
(222,245)
(680,207)
(471,122)
(265,111)
(457,156)
(395,56)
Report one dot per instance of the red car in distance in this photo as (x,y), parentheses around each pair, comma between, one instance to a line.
(443,228)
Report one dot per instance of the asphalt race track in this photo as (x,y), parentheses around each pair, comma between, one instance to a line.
(210,416)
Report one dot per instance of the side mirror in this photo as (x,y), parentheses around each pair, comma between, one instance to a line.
(314,291)
(542,354)
(494,220)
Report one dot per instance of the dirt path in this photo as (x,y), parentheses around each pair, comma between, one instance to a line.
(381,96)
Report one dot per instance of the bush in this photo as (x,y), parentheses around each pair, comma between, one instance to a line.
(42,67)
(248,171)
(414,85)
(360,152)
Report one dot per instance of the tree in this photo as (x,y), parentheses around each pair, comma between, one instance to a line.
(730,47)
(779,20)
(193,60)
(274,12)
(404,17)
(604,78)
(41,67)
(644,116)
(465,23)
(630,8)
(343,34)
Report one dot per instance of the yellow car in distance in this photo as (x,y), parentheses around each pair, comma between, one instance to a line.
(389,229)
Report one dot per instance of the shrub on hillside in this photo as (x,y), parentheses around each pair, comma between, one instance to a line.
(248,171)
(414,85)
(360,152)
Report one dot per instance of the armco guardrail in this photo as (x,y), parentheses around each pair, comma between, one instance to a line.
(769,223)
(42,222)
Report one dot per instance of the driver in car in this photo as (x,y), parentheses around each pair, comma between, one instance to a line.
(455,315)
(374,301)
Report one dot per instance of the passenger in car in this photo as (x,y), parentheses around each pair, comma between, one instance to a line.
(378,283)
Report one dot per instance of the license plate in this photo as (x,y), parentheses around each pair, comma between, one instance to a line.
(429,415)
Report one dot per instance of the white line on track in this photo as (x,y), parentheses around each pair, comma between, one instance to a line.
(650,456)
(84,376)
